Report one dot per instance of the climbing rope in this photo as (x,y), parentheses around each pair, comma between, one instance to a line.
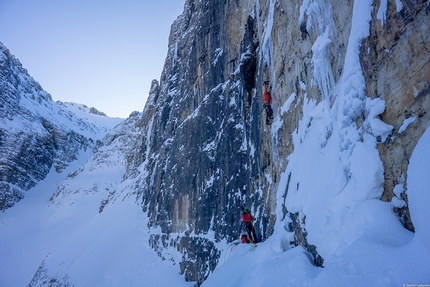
(232,248)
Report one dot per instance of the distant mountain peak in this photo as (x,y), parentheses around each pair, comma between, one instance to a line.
(81,107)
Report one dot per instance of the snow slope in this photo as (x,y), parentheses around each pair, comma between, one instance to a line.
(375,249)
(92,116)
(66,238)
(67,230)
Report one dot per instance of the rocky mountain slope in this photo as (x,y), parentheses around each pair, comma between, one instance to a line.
(37,134)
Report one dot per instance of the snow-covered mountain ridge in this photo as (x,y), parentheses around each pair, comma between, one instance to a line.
(37,133)
(337,182)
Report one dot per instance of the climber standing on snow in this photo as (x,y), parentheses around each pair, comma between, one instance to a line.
(267,99)
(247,219)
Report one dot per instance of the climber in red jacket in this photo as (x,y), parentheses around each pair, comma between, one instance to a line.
(247,219)
(267,100)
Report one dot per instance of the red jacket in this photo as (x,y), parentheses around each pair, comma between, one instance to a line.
(247,216)
(267,95)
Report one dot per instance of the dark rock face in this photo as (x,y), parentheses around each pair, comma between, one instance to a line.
(300,238)
(42,278)
(205,258)
(199,162)
(199,255)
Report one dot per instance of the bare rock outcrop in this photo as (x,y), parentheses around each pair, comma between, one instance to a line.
(396,65)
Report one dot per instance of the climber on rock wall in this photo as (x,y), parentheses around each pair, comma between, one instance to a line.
(267,100)
(247,219)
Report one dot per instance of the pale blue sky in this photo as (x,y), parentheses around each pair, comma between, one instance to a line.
(101,53)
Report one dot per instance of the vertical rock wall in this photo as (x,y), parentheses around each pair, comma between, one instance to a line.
(396,64)
(201,145)
(204,147)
